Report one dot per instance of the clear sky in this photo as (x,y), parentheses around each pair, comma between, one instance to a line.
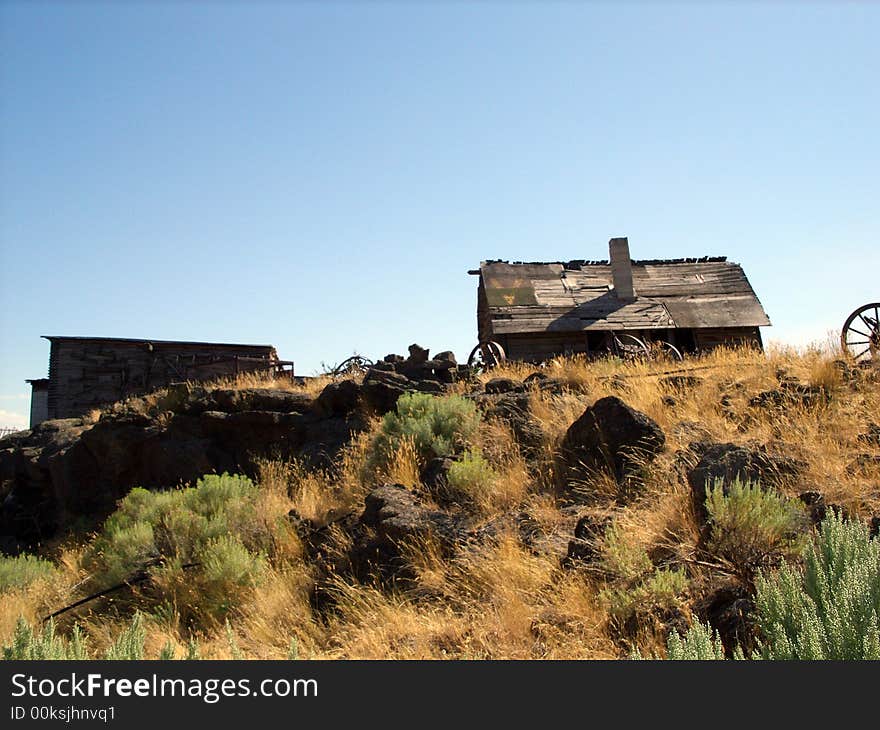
(321,176)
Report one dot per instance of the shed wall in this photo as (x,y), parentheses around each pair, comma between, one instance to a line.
(39,404)
(86,374)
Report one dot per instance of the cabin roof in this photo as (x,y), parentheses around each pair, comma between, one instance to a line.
(131,341)
(528,297)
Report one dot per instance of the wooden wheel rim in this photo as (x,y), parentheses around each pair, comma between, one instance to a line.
(860,337)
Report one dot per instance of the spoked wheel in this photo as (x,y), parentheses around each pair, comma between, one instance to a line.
(352,366)
(486,355)
(667,350)
(630,347)
(860,337)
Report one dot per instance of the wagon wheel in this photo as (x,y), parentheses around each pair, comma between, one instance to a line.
(667,350)
(630,347)
(354,364)
(860,337)
(486,355)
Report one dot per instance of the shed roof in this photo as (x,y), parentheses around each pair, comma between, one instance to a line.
(132,341)
(579,295)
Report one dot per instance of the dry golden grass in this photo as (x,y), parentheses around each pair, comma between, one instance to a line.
(501,598)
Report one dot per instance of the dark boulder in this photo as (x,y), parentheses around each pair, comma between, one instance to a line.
(730,610)
(380,391)
(418,354)
(257,399)
(790,392)
(503,385)
(446,360)
(585,547)
(435,387)
(815,503)
(515,410)
(393,519)
(434,478)
(338,399)
(394,512)
(445,367)
(609,436)
(726,463)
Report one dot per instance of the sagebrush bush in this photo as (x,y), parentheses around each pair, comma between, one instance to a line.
(471,478)
(700,643)
(202,545)
(176,524)
(129,645)
(28,644)
(31,644)
(22,570)
(636,586)
(658,591)
(436,426)
(828,610)
(831,610)
(621,557)
(752,527)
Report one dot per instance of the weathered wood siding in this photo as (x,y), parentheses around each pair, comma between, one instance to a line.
(484,319)
(708,338)
(91,373)
(542,346)
(39,401)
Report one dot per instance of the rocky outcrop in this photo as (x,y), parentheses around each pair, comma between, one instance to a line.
(419,367)
(585,546)
(717,463)
(69,470)
(394,518)
(790,393)
(729,610)
(514,408)
(609,436)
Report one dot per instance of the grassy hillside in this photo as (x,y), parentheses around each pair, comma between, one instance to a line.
(232,568)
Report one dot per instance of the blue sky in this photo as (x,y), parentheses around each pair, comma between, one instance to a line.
(322,176)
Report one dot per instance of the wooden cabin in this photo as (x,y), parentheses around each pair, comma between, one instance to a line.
(536,311)
(91,372)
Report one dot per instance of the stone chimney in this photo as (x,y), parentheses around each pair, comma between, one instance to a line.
(621,269)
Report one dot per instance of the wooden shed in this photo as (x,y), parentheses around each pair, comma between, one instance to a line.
(91,372)
(538,310)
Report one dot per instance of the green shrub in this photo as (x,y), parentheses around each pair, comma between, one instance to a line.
(202,546)
(22,570)
(752,527)
(659,591)
(436,426)
(622,558)
(28,644)
(637,588)
(828,610)
(831,610)
(129,645)
(472,477)
(700,643)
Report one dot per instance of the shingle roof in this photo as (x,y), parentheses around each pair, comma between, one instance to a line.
(578,295)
